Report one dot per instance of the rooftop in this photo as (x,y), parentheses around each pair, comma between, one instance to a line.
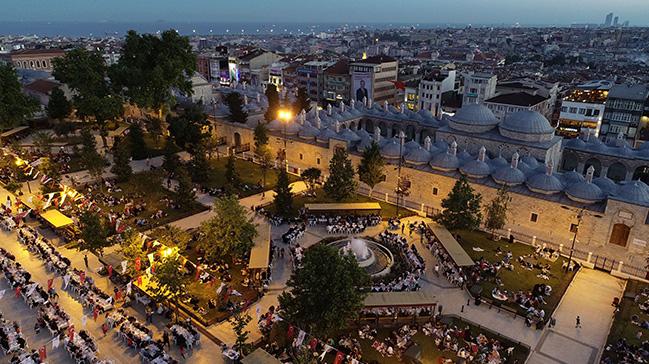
(518,99)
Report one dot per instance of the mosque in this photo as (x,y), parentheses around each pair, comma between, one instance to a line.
(550,180)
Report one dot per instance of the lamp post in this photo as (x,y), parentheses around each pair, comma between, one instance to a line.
(285,116)
(574,237)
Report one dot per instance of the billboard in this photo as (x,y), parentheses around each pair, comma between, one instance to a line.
(361,86)
(224,72)
(234,71)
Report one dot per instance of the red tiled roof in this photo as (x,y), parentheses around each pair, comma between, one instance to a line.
(42,86)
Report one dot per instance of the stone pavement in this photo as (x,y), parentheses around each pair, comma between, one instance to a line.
(590,296)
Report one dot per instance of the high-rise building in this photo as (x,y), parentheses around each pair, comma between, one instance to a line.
(615,20)
(609,20)
(374,78)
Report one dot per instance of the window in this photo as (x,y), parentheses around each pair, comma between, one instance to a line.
(573,110)
(574,228)
(435,191)
(301,156)
(317,161)
(534,217)
(564,108)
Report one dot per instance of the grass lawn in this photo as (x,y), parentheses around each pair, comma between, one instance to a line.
(519,279)
(249,174)
(622,326)
(147,187)
(155,146)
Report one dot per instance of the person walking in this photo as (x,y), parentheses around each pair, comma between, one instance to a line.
(85,260)
(165,339)
(578,323)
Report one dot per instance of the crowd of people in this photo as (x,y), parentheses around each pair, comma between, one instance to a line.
(12,340)
(293,234)
(627,351)
(343,224)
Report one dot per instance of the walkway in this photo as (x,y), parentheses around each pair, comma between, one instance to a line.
(590,296)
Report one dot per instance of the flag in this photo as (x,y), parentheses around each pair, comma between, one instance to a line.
(95,313)
(300,338)
(42,353)
(118,295)
(18,289)
(49,283)
(71,332)
(151,258)
(110,270)
(339,358)
(258,311)
(55,342)
(218,290)
(124,265)
(313,344)
(138,263)
(291,331)
(82,277)
(139,280)
(327,348)
(2,293)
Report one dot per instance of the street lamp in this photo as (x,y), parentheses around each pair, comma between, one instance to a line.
(285,115)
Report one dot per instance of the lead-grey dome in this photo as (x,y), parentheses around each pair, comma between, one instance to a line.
(585,192)
(473,118)
(606,184)
(571,177)
(349,135)
(544,183)
(418,156)
(509,176)
(308,131)
(528,126)
(476,168)
(326,134)
(391,149)
(636,192)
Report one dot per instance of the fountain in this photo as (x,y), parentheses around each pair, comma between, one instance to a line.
(373,257)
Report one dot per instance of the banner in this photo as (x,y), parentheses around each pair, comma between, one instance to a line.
(339,358)
(110,270)
(300,338)
(42,353)
(291,332)
(49,283)
(138,264)
(327,348)
(55,342)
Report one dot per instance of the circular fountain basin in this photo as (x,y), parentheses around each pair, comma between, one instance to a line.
(373,257)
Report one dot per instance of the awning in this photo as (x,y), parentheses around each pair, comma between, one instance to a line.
(56,218)
(13,131)
(400,299)
(260,356)
(260,253)
(342,206)
(453,248)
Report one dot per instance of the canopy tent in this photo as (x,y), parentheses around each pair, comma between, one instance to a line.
(260,253)
(260,356)
(399,299)
(13,131)
(343,206)
(454,249)
(56,218)
(28,200)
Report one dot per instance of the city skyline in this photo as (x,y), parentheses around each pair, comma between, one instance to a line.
(335,11)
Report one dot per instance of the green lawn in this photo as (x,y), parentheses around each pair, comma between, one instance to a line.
(519,279)
(622,326)
(147,186)
(249,174)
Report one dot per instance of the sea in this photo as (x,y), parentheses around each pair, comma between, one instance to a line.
(108,28)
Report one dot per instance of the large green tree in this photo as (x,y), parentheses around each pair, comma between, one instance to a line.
(273,102)
(231,175)
(371,170)
(325,293)
(235,104)
(200,166)
(461,208)
(58,107)
(94,232)
(302,101)
(187,128)
(170,282)
(15,106)
(311,176)
(496,211)
(185,189)
(90,158)
(260,136)
(340,184)
(265,158)
(151,66)
(229,233)
(172,236)
(136,142)
(131,247)
(239,322)
(283,195)
(171,160)
(121,162)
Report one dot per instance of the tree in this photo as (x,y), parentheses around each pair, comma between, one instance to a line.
(170,161)
(265,161)
(136,142)
(43,141)
(371,169)
(229,233)
(496,211)
(94,232)
(185,189)
(200,165)
(53,172)
(121,166)
(273,102)
(151,65)
(326,292)
(186,129)
(131,247)
(311,176)
(231,175)
(239,323)
(58,107)
(172,236)
(235,104)
(283,196)
(461,207)
(15,106)
(93,162)
(302,102)
(261,136)
(169,280)
(340,184)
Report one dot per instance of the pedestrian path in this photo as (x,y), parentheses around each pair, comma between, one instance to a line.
(589,296)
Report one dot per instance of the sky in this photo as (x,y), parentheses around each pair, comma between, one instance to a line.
(328,11)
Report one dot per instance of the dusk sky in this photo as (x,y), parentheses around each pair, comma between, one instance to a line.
(334,11)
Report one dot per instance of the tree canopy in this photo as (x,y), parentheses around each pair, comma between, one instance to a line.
(229,233)
(185,189)
(58,107)
(461,208)
(137,146)
(121,158)
(326,292)
(260,136)
(186,129)
(311,176)
(371,169)
(340,184)
(235,104)
(283,195)
(496,211)
(15,106)
(94,232)
(273,102)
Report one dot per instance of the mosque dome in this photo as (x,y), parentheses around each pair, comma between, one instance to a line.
(326,134)
(545,183)
(571,177)
(349,135)
(607,185)
(446,161)
(418,156)
(585,191)
(636,192)
(308,131)
(473,118)
(391,149)
(528,126)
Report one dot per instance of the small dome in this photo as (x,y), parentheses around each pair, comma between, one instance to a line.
(473,118)
(293,128)
(476,169)
(525,168)
(498,162)
(445,162)
(572,177)
(598,146)
(575,143)
(418,156)
(530,161)
(275,125)
(624,150)
(363,134)
(326,134)
(636,192)
(391,149)
(363,144)
(545,184)
(584,192)
(441,145)
(308,131)
(464,156)
(508,176)
(411,144)
(606,184)
(527,126)
(644,146)
(348,135)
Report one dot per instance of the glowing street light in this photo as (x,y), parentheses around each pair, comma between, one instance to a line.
(285,116)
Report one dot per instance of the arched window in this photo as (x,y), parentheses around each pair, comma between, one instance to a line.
(570,162)
(595,163)
(641,173)
(616,172)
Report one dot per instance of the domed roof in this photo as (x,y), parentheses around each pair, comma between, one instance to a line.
(363,134)
(530,161)
(636,192)
(597,145)
(572,177)
(363,144)
(509,176)
(644,146)
(476,168)
(475,114)
(544,183)
(391,149)
(498,162)
(348,135)
(293,128)
(441,145)
(445,162)
(585,192)
(275,125)
(606,184)
(418,156)
(411,144)
(527,122)
(326,134)
(464,156)
(529,171)
(575,143)
(308,131)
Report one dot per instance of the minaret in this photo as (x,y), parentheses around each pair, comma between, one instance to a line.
(377,134)
(337,126)
(589,174)
(342,107)
(427,143)
(482,153)
(317,118)
(352,104)
(329,110)
(453,148)
(245,99)
(365,101)
(258,98)
(548,167)
(385,105)
(515,157)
